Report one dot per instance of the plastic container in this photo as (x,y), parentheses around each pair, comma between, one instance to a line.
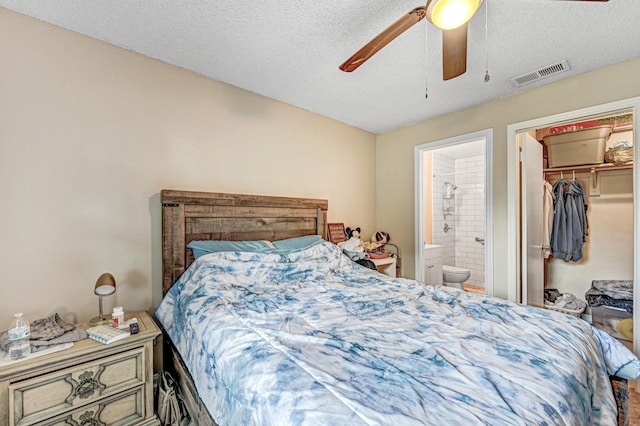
(19,337)
(573,312)
(615,321)
(117,316)
(577,148)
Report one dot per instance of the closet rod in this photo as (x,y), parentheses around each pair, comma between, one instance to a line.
(592,169)
(586,169)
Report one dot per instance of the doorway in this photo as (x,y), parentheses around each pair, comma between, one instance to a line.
(454,181)
(524,286)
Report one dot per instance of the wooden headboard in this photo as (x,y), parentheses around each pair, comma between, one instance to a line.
(188,216)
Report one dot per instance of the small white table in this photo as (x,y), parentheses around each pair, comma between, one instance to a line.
(386,265)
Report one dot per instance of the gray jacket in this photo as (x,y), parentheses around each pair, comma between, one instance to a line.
(569,221)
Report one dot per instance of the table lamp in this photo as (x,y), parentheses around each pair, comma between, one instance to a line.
(105,285)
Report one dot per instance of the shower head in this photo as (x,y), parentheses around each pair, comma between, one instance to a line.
(447,192)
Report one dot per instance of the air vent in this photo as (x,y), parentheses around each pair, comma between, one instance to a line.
(541,73)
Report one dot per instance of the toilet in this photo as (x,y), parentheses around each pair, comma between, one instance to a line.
(453,276)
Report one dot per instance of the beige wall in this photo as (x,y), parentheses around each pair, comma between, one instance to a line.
(395,181)
(89,135)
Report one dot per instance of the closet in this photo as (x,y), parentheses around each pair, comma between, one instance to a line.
(608,248)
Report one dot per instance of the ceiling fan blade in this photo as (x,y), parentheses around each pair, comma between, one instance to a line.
(454,52)
(384,38)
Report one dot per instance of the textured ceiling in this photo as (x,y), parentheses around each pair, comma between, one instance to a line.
(290,50)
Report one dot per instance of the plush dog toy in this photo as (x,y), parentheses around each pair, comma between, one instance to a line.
(378,240)
(381,237)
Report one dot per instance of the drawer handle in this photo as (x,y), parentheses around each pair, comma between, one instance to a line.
(87,386)
(86,419)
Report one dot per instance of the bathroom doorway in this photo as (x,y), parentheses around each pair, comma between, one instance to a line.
(454,211)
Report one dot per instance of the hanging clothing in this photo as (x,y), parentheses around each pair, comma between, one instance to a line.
(547,219)
(570,225)
(584,219)
(576,218)
(559,238)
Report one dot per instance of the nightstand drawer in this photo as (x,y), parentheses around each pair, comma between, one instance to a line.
(46,396)
(122,409)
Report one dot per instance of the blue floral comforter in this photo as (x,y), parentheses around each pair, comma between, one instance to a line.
(311,338)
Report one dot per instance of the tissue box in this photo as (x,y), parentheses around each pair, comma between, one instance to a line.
(615,321)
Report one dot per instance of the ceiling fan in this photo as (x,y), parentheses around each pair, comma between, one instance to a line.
(451,16)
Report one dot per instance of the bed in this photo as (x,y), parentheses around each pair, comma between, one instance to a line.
(296,333)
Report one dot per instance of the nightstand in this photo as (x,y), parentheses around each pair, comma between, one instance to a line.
(386,265)
(87,384)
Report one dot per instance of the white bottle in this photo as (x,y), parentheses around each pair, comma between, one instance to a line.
(117,316)
(19,334)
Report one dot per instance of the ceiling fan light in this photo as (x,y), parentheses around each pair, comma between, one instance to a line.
(450,14)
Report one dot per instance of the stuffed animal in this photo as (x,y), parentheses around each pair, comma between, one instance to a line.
(351,233)
(353,243)
(378,240)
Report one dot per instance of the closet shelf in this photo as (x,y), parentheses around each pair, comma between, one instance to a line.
(589,168)
(593,169)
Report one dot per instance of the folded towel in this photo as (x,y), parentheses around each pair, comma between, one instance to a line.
(47,332)
(49,328)
(622,144)
(617,289)
(69,336)
(569,301)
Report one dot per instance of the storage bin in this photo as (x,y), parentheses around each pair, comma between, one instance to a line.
(573,312)
(615,321)
(577,148)
(556,301)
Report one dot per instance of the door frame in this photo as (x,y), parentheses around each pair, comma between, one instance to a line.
(419,150)
(513,191)
(525,151)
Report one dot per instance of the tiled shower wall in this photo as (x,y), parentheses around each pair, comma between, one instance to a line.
(443,168)
(468,220)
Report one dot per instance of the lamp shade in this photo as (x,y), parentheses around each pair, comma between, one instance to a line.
(105,285)
(450,14)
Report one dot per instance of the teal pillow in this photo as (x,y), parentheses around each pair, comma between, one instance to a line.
(297,243)
(200,248)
